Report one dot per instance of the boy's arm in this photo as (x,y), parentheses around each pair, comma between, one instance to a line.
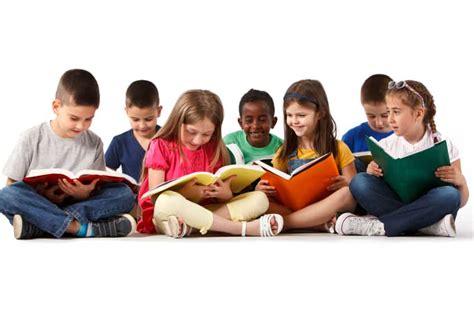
(10,181)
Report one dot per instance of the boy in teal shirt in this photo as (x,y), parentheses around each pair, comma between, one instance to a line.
(254,141)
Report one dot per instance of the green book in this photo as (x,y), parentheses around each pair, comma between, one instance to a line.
(413,175)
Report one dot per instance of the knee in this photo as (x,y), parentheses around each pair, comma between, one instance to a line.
(260,201)
(166,200)
(359,183)
(449,196)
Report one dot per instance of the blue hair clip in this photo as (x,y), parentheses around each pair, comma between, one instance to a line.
(300,97)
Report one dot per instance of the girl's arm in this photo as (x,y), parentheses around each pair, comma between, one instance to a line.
(452,174)
(344,179)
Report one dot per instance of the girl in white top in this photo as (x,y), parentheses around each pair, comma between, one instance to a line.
(411,116)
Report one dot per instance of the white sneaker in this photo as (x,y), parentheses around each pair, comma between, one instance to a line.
(350,224)
(444,227)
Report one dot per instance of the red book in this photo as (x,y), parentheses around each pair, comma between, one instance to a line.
(52,175)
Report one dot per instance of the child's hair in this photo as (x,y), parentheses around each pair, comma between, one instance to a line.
(142,94)
(257,96)
(79,86)
(191,107)
(310,94)
(414,94)
(374,88)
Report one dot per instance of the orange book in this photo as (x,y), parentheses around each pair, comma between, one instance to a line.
(305,185)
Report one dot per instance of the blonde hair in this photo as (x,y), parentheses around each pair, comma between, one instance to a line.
(193,106)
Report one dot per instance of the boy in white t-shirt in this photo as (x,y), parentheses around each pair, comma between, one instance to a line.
(77,209)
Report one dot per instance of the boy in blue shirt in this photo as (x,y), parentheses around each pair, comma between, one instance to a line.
(257,117)
(142,105)
(78,209)
(372,96)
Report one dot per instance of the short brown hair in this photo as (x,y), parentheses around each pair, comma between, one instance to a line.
(80,86)
(374,88)
(142,94)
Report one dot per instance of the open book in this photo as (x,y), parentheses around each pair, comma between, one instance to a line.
(52,175)
(364,156)
(413,175)
(245,175)
(305,185)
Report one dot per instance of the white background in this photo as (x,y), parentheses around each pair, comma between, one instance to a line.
(229,48)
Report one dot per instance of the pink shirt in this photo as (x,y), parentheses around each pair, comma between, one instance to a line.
(164,155)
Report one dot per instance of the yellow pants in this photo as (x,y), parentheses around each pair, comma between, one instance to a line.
(244,207)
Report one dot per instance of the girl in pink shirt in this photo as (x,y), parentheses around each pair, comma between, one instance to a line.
(191,141)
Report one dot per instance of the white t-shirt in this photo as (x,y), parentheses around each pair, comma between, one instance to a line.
(40,147)
(398,147)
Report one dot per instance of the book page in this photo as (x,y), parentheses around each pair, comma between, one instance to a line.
(42,172)
(272,169)
(309,164)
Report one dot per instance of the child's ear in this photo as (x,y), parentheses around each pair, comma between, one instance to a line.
(420,112)
(239,120)
(56,105)
(158,111)
(274,121)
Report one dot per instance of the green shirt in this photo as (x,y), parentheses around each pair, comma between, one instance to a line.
(249,152)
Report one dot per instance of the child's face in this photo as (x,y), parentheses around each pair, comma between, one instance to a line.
(193,136)
(404,120)
(302,120)
(71,119)
(143,120)
(256,122)
(377,116)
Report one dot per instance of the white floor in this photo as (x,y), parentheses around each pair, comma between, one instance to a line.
(290,274)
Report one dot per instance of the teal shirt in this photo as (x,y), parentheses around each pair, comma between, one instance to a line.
(250,152)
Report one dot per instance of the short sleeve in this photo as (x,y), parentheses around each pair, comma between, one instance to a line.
(157,155)
(99,161)
(19,161)
(348,139)
(278,163)
(111,155)
(344,156)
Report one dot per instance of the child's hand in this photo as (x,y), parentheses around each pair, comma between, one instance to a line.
(338,182)
(374,169)
(52,193)
(451,174)
(264,185)
(220,190)
(77,190)
(193,191)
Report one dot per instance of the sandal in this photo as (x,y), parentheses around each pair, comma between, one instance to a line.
(266,225)
(175,226)
(162,226)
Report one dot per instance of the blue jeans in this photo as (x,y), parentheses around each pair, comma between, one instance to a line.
(375,196)
(106,201)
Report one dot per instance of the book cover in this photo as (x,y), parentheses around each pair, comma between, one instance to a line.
(364,156)
(305,185)
(51,176)
(413,175)
(245,175)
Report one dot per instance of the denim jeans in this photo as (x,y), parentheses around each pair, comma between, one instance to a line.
(375,196)
(106,201)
